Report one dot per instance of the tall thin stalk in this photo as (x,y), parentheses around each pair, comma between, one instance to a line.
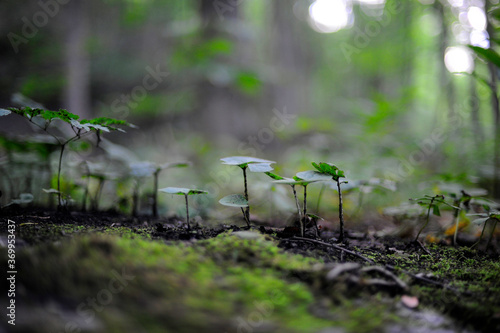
(247,209)
(187,212)
(341,212)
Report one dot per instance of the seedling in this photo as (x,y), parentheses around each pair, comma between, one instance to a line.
(483,220)
(44,118)
(185,192)
(431,202)
(303,179)
(23,198)
(335,173)
(236,200)
(255,165)
(141,170)
(292,183)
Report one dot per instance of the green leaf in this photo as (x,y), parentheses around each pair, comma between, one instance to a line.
(274,176)
(243,161)
(234,200)
(4,112)
(175,165)
(489,55)
(260,167)
(435,210)
(329,169)
(181,191)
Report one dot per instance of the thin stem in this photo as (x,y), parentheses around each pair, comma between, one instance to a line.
(457,222)
(428,215)
(491,234)
(341,212)
(187,212)
(296,201)
(320,196)
(59,204)
(481,236)
(304,216)
(247,210)
(245,217)
(155,195)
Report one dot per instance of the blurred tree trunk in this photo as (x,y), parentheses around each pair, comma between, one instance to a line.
(444,76)
(474,113)
(219,107)
(495,106)
(288,59)
(77,88)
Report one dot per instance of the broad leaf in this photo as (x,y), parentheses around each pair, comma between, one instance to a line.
(142,169)
(181,191)
(329,169)
(4,112)
(313,176)
(260,167)
(435,210)
(487,54)
(174,165)
(234,200)
(481,221)
(243,161)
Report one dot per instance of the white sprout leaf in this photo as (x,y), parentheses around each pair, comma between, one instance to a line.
(481,221)
(142,169)
(104,128)
(313,176)
(243,160)
(260,167)
(51,191)
(234,200)
(4,112)
(181,191)
(77,124)
(26,197)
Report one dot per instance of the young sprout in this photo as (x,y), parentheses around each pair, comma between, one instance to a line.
(484,218)
(185,192)
(431,202)
(236,200)
(80,128)
(252,163)
(140,170)
(335,173)
(315,219)
(292,183)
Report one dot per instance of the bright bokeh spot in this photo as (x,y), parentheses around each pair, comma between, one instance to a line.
(477,18)
(372,2)
(330,15)
(458,59)
(480,38)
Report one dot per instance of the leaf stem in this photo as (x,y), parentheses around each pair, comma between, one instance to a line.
(341,212)
(187,212)
(247,210)
(428,216)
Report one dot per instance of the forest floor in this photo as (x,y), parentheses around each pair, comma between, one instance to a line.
(104,272)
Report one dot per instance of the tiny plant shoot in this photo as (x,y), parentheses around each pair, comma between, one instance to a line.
(483,219)
(252,163)
(185,192)
(236,200)
(292,183)
(431,202)
(44,118)
(335,173)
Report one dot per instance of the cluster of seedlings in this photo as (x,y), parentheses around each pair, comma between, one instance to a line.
(54,139)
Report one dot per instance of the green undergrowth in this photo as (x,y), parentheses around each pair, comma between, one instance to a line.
(107,283)
(34,233)
(469,281)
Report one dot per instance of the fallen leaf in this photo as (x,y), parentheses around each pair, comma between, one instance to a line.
(409,301)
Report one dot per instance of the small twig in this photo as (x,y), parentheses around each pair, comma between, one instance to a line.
(335,247)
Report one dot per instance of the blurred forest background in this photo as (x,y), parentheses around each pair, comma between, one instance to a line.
(369,85)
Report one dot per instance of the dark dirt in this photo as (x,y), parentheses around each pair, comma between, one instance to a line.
(459,282)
